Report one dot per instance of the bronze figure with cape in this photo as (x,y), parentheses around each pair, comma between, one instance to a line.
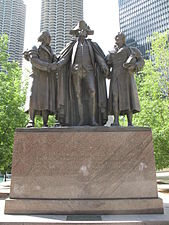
(82,98)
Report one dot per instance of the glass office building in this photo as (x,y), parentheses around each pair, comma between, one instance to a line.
(139,19)
(12,23)
(58,17)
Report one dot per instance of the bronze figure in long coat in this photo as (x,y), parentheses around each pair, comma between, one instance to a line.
(82,98)
(42,97)
(123,96)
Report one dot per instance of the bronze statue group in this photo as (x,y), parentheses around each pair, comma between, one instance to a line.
(72,85)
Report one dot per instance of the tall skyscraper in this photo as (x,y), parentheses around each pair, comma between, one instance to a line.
(139,19)
(58,17)
(12,23)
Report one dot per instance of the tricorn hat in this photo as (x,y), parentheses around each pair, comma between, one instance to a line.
(82,25)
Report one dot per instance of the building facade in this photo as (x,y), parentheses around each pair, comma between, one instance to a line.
(58,17)
(12,23)
(139,19)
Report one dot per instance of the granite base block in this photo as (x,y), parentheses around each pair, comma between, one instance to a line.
(84,164)
(82,207)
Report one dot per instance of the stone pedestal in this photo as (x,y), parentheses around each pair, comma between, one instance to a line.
(83,170)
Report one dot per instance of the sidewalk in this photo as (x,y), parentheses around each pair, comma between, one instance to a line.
(5,189)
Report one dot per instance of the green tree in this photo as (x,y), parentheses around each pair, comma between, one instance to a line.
(12,98)
(153,88)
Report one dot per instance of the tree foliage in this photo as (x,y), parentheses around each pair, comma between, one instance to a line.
(12,98)
(153,88)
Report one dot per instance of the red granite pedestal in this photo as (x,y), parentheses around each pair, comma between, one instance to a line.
(83,170)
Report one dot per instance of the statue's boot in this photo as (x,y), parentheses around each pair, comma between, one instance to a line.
(129,118)
(32,118)
(57,124)
(116,121)
(30,124)
(45,118)
(45,125)
(94,123)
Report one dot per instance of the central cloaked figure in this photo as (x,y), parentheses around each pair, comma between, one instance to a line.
(82,71)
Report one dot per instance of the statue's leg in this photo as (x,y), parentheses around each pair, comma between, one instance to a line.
(115,110)
(129,118)
(90,83)
(57,122)
(78,92)
(45,118)
(32,118)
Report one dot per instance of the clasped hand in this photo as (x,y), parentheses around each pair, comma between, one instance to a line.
(55,65)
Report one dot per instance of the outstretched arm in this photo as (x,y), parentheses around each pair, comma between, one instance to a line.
(102,64)
(39,64)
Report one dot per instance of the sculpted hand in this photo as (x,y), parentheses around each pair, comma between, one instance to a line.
(60,63)
(105,69)
(26,55)
(109,75)
(52,66)
(131,68)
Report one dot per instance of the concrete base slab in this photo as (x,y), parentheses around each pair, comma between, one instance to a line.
(144,219)
(150,219)
(66,207)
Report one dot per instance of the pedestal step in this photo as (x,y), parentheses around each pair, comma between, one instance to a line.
(71,207)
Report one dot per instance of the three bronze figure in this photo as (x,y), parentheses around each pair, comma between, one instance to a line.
(72,86)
